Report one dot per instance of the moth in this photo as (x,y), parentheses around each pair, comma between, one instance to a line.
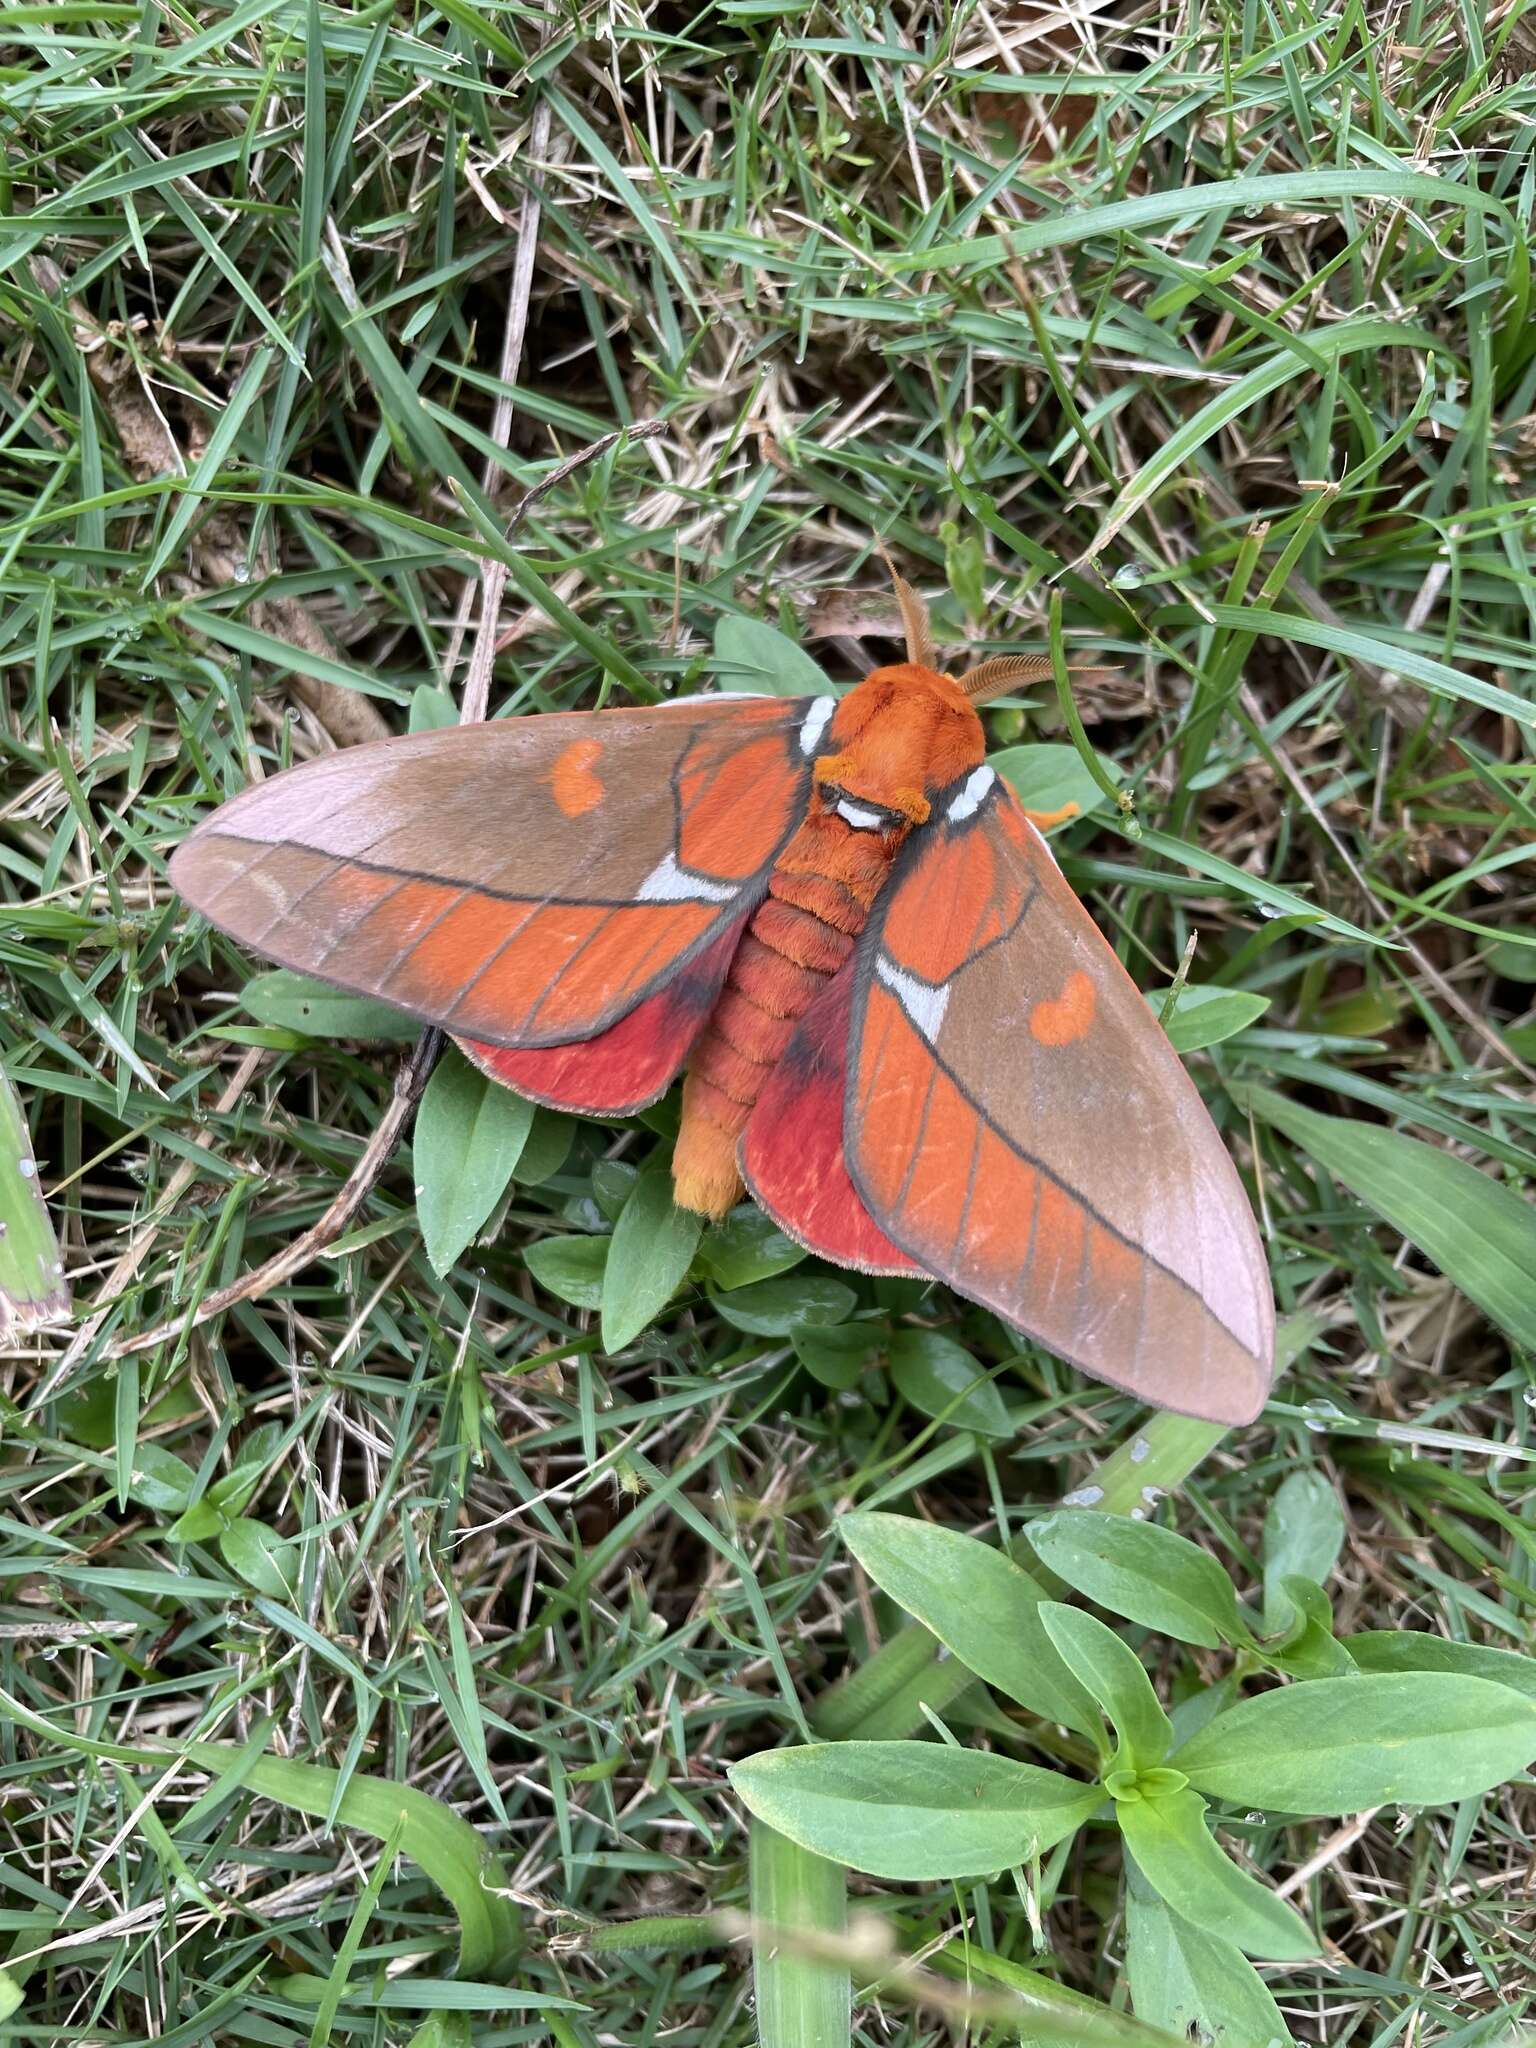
(897,1025)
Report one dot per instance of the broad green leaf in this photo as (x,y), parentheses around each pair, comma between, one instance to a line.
(1303,1535)
(296,1002)
(1206,1014)
(263,1559)
(777,1308)
(1180,1858)
(160,1480)
(570,1267)
(942,1379)
(1481,1234)
(431,709)
(201,1520)
(752,656)
(913,1809)
(470,1132)
(1514,960)
(33,1292)
(747,1246)
(613,1182)
(983,1607)
(651,1250)
(1309,1648)
(838,1355)
(1049,778)
(546,1148)
(803,2001)
(1144,1572)
(1335,1745)
(1112,1672)
(1191,1983)
(1414,1650)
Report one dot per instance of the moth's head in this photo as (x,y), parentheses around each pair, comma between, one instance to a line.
(909,731)
(904,734)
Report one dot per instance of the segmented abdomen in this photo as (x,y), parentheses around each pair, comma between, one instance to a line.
(818,901)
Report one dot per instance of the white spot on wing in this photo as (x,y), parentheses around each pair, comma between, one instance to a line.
(965,805)
(860,820)
(668,883)
(923,1004)
(817,719)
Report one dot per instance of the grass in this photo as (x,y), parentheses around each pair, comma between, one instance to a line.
(1215,322)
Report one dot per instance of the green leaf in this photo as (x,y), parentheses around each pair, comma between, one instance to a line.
(1048,778)
(1303,1535)
(431,709)
(803,2001)
(612,1184)
(1144,1572)
(161,1481)
(940,1378)
(446,1847)
(202,1519)
(1335,1745)
(1438,677)
(1049,2014)
(1480,1234)
(777,1308)
(751,656)
(650,1252)
(1250,888)
(982,1606)
(1181,1860)
(913,1809)
(545,1149)
(33,1293)
(1308,1649)
(1413,1650)
(296,1002)
(747,1246)
(470,1132)
(1112,1672)
(263,1559)
(1192,1983)
(1081,223)
(839,1355)
(1206,1014)
(570,1267)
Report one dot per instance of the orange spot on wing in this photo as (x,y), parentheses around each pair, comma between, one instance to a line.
(572,780)
(1044,820)
(1064,1019)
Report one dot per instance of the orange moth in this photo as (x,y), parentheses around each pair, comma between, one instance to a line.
(898,1027)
